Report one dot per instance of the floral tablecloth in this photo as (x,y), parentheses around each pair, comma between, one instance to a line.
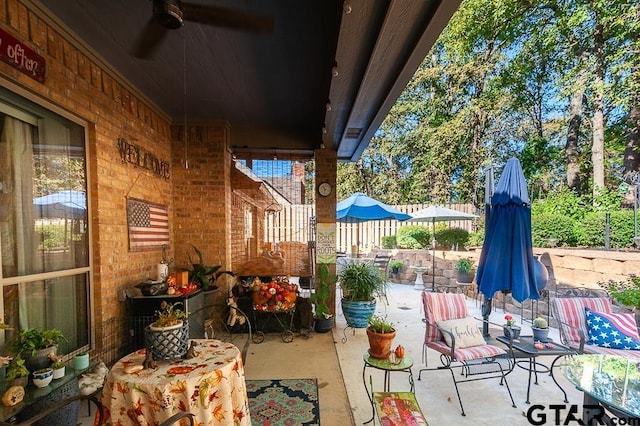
(211,386)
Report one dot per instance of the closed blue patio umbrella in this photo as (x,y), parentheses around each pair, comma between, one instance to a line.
(359,207)
(506,261)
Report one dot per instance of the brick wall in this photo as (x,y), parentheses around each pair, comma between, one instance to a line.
(197,197)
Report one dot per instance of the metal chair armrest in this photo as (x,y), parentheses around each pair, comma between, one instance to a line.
(564,340)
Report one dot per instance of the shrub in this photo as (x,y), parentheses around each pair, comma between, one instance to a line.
(564,203)
(560,227)
(389,242)
(452,237)
(413,237)
(590,231)
(476,239)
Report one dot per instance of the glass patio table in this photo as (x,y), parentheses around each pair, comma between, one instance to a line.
(607,382)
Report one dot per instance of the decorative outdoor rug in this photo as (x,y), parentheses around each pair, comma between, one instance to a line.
(283,402)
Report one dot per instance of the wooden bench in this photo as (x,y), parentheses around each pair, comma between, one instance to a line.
(398,408)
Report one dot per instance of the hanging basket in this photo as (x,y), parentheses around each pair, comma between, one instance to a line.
(167,343)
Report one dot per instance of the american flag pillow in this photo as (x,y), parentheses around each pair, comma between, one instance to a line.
(615,331)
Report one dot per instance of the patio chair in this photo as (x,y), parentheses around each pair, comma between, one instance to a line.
(455,335)
(570,314)
(227,323)
(382,262)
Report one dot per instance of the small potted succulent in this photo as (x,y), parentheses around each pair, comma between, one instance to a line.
(540,330)
(58,366)
(43,377)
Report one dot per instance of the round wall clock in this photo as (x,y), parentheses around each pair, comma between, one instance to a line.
(324,189)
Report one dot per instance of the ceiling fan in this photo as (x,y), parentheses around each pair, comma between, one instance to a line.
(171,14)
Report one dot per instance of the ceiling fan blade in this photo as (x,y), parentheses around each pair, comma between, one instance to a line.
(235,19)
(149,39)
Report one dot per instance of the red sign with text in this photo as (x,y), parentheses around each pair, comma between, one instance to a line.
(21,57)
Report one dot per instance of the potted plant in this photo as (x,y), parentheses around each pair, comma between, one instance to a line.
(58,366)
(361,283)
(168,336)
(168,317)
(35,346)
(380,333)
(202,275)
(540,330)
(395,266)
(17,372)
(464,265)
(42,377)
(510,329)
(323,319)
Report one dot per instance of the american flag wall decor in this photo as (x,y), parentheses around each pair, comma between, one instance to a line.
(148,224)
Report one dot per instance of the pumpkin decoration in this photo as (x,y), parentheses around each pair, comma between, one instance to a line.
(276,295)
(399,352)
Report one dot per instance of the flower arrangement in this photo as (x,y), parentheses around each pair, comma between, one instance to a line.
(626,292)
(510,322)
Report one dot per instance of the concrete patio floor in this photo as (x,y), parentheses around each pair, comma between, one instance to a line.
(485,401)
(338,367)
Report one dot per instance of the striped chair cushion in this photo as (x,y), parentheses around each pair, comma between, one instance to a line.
(571,311)
(442,307)
(466,354)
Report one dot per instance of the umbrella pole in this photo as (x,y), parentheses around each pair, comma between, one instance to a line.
(486,311)
(433,258)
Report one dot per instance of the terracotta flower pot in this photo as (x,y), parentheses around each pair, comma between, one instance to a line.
(380,344)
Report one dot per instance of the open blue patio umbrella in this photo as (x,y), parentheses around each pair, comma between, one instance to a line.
(359,207)
(506,261)
(62,204)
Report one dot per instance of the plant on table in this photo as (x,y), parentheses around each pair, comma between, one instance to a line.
(625,292)
(380,324)
(16,369)
(169,315)
(202,275)
(30,340)
(510,327)
(380,332)
(540,330)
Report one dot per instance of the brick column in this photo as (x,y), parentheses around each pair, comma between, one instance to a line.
(326,169)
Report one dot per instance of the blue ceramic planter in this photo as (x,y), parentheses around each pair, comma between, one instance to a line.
(358,313)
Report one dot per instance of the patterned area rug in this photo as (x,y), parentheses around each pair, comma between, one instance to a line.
(283,402)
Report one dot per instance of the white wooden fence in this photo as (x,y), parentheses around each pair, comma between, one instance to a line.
(297,223)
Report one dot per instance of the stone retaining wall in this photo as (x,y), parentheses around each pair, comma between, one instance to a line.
(577,267)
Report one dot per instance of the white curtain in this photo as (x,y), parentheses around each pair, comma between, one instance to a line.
(18,237)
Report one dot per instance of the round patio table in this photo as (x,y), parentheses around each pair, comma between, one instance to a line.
(211,386)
